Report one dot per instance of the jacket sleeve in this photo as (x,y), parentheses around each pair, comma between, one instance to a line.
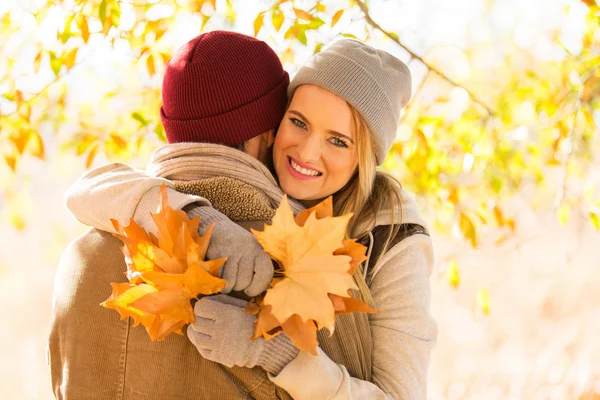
(403,336)
(121,192)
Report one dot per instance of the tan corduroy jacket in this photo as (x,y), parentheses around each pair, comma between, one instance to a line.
(402,334)
(94,355)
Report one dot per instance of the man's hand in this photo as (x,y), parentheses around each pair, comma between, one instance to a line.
(248,267)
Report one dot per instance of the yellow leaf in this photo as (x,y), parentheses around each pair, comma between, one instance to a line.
(311,269)
(150,65)
(91,155)
(563,213)
(302,333)
(452,275)
(499,216)
(277,19)
(118,141)
(483,300)
(164,273)
(230,13)
(85,30)
(11,161)
(20,140)
(37,62)
(336,17)
(69,58)
(468,229)
(301,14)
(344,305)
(36,145)
(321,7)
(258,22)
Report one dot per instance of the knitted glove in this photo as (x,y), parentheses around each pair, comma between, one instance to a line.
(248,267)
(222,333)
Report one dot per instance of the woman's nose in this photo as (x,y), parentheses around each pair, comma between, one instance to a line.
(309,150)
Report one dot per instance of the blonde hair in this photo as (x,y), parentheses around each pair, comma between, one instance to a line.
(367,192)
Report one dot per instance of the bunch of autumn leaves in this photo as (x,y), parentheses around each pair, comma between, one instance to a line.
(311,284)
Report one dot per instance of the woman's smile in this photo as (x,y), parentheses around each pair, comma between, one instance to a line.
(301,170)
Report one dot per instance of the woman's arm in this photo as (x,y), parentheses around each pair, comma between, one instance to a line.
(403,335)
(121,192)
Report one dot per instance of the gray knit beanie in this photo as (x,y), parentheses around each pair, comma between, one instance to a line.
(373,81)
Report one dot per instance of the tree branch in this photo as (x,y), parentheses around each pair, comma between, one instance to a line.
(363,7)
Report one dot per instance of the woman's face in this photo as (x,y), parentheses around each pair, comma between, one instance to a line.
(315,154)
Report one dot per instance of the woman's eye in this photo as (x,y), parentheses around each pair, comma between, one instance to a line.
(336,141)
(298,123)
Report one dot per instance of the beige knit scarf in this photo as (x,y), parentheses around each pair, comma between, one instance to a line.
(195,161)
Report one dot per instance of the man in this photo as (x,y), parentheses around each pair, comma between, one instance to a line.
(223,88)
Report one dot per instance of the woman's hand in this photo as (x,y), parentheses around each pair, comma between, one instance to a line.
(222,333)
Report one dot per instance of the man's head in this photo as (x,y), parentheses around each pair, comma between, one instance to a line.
(225,88)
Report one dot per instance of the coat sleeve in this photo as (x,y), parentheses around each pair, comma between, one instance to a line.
(121,192)
(403,336)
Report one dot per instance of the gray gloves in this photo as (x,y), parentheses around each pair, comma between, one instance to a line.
(248,267)
(222,333)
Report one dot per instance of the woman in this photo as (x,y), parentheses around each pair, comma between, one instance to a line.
(340,123)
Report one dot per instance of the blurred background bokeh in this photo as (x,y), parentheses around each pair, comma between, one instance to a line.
(500,145)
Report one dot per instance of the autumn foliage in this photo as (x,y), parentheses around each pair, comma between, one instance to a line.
(315,276)
(164,272)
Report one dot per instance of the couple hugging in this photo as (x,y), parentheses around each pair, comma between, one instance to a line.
(241,136)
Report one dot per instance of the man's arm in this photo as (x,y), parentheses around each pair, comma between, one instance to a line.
(121,192)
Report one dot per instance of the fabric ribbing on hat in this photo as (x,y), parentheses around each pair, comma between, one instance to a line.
(223,87)
(374,82)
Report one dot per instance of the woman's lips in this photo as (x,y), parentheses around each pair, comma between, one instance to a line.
(300,175)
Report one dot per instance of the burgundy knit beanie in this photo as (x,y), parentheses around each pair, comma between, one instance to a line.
(222,87)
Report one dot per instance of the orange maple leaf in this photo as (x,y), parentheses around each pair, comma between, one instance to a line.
(164,272)
(317,266)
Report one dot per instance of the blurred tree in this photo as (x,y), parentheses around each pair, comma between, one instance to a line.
(474,133)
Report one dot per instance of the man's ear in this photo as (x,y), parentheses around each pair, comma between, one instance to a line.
(268,138)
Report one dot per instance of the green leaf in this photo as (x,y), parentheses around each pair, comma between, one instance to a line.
(595,220)
(336,17)
(102,11)
(138,117)
(318,48)
(205,19)
(55,63)
(258,22)
(302,37)
(496,184)
(315,23)
(160,132)
(349,35)
(115,13)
